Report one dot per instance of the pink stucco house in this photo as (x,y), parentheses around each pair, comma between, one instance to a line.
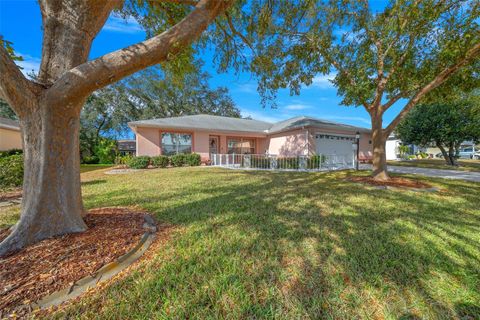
(207,134)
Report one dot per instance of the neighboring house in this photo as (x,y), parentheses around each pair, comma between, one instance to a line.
(206,134)
(10,135)
(127,147)
(392,147)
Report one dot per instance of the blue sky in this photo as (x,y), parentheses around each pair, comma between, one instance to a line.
(20,22)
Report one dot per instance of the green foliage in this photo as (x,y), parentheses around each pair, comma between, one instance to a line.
(122,160)
(160,161)
(140,162)
(193,159)
(260,162)
(106,150)
(178,160)
(90,160)
(287,163)
(10,152)
(316,161)
(11,171)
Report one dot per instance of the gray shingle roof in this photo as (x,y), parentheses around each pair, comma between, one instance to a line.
(9,124)
(206,122)
(217,123)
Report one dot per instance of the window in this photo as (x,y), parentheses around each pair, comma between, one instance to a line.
(241,146)
(173,143)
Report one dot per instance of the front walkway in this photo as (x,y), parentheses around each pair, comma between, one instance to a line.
(440,173)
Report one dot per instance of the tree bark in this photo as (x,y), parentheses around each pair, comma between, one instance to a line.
(445,154)
(52,201)
(379,169)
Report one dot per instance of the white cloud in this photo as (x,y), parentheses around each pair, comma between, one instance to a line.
(324,81)
(297,106)
(119,24)
(28,64)
(246,88)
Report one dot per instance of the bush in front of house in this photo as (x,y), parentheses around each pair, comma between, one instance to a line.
(123,160)
(316,161)
(287,163)
(11,171)
(90,160)
(160,161)
(140,162)
(10,152)
(178,160)
(193,159)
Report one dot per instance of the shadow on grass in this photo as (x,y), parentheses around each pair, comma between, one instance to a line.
(321,242)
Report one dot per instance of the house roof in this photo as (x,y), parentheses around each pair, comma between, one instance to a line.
(218,123)
(9,124)
(126,145)
(205,122)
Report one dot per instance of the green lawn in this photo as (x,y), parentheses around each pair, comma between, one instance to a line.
(465,165)
(293,246)
(93,167)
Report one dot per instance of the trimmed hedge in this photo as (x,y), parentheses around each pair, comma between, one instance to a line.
(160,161)
(178,160)
(193,159)
(10,152)
(11,171)
(140,162)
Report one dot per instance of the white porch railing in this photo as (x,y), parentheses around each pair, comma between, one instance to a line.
(319,162)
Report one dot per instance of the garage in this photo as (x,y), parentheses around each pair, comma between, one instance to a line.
(330,144)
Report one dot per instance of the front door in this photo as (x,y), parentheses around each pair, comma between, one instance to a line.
(214,144)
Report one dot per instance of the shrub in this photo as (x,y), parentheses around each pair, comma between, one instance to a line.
(178,160)
(140,162)
(122,160)
(160,161)
(260,162)
(105,150)
(91,160)
(315,161)
(10,152)
(193,159)
(287,163)
(11,171)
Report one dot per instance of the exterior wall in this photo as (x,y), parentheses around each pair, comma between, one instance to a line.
(289,143)
(148,142)
(10,139)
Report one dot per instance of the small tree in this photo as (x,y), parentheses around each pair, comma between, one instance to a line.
(444,125)
(381,58)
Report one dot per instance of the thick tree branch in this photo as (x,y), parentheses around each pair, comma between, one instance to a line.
(15,88)
(392,101)
(471,54)
(80,81)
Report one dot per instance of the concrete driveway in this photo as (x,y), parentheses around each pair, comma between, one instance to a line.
(440,173)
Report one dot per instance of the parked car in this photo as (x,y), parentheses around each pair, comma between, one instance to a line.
(467,153)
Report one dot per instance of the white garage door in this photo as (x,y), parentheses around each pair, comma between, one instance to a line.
(334,145)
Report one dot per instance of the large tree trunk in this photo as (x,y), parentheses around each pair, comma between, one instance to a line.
(52,202)
(379,169)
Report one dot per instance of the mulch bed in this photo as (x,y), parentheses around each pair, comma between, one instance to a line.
(10,195)
(393,182)
(54,264)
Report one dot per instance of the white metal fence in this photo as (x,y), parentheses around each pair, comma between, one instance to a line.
(321,162)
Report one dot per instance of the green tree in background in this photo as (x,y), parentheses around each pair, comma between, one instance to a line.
(377,59)
(445,125)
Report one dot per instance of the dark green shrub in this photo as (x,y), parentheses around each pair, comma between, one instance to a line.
(260,162)
(287,163)
(193,159)
(140,162)
(11,171)
(178,160)
(91,160)
(160,161)
(316,161)
(10,152)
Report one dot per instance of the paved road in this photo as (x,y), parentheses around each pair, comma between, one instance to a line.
(447,174)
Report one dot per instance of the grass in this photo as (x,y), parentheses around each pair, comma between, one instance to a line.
(464,165)
(293,246)
(93,167)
